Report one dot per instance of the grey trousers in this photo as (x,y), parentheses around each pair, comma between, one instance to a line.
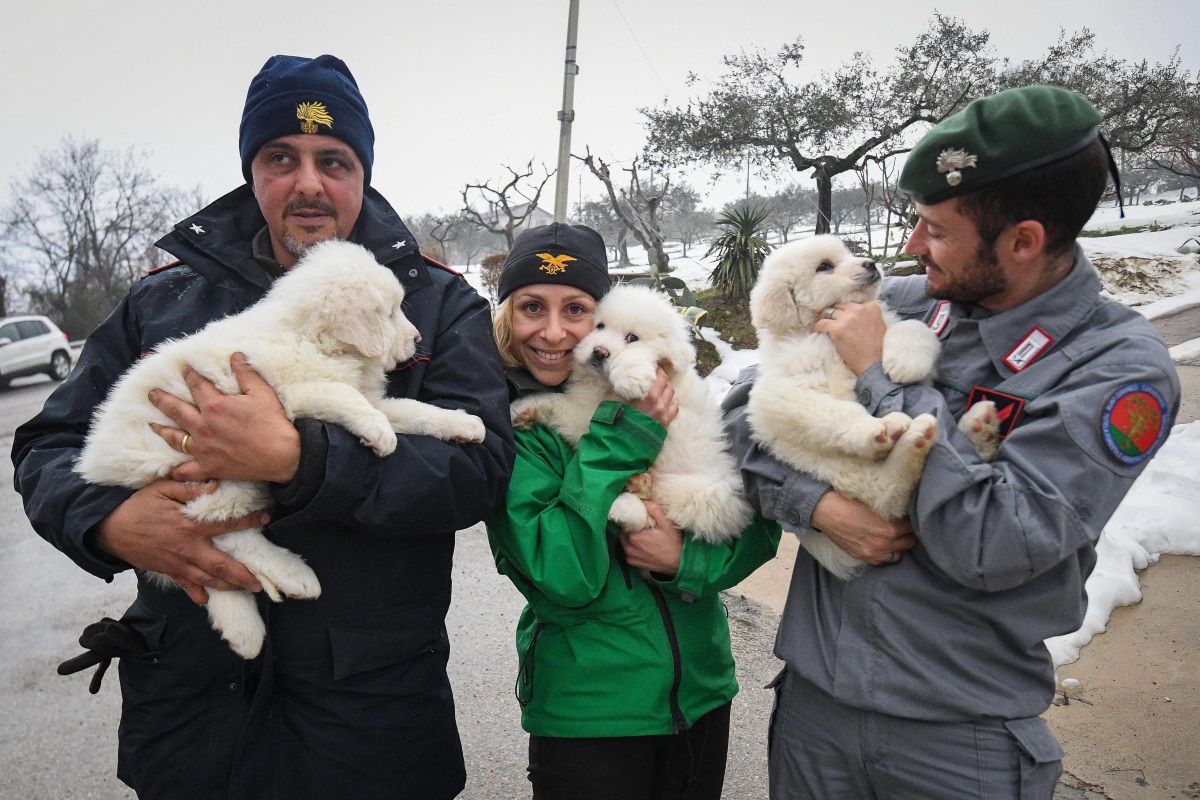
(821,749)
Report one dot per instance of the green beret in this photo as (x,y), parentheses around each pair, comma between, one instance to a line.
(996,137)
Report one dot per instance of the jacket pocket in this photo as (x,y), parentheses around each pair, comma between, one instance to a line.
(1041,755)
(149,624)
(397,650)
(524,686)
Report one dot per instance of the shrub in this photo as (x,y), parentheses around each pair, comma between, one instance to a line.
(740,250)
(489,272)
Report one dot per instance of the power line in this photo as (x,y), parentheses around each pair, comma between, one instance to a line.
(639,44)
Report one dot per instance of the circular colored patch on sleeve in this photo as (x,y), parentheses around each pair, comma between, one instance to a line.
(1132,423)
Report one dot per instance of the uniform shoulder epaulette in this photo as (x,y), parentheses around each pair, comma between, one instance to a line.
(430,262)
(157,270)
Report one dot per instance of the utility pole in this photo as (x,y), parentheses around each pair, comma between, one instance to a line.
(566,116)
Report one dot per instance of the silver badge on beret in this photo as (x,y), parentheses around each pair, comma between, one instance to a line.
(952,162)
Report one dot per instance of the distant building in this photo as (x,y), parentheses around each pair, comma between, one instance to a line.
(494,217)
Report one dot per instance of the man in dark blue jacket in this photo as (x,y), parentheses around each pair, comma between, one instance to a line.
(350,697)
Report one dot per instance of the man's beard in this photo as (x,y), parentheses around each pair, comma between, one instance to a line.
(295,246)
(982,279)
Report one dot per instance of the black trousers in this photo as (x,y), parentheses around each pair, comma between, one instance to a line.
(682,766)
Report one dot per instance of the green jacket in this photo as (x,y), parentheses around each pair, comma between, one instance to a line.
(602,650)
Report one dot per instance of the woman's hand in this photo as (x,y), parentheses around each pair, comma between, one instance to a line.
(659,403)
(657,549)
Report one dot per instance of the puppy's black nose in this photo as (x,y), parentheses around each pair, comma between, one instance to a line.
(872,273)
(599,353)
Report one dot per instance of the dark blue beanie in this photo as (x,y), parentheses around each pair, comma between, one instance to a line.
(292,95)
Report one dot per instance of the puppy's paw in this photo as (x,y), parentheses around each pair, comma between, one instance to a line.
(981,425)
(468,428)
(524,414)
(286,575)
(629,512)
(234,615)
(887,431)
(633,382)
(910,352)
(377,434)
(922,431)
(640,485)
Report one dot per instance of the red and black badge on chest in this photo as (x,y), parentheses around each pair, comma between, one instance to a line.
(1010,408)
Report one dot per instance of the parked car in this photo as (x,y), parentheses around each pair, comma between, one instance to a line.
(32,344)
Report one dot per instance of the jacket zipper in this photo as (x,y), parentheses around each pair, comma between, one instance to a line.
(616,552)
(525,671)
(678,722)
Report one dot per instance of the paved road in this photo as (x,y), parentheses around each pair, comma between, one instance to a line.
(57,741)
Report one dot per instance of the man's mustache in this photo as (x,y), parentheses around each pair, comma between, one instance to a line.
(310,205)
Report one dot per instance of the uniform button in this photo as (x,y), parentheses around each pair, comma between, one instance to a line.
(233,687)
(1083,510)
(794,518)
(864,397)
(412,273)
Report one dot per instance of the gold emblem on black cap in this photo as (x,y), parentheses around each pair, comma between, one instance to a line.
(554,264)
(952,162)
(311,115)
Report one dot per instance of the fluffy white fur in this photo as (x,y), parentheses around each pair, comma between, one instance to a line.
(322,337)
(694,478)
(803,408)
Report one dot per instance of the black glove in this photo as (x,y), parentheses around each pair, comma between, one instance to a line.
(104,641)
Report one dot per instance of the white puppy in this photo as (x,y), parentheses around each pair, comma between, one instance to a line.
(322,337)
(803,409)
(694,478)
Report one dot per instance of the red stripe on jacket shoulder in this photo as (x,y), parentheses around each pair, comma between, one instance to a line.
(412,362)
(430,262)
(157,270)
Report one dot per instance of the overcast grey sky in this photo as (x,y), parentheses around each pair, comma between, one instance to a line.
(459,87)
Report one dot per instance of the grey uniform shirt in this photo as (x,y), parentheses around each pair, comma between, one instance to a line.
(955,630)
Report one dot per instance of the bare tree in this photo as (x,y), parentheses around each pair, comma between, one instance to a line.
(790,207)
(81,229)
(691,226)
(758,112)
(600,217)
(884,202)
(637,207)
(434,232)
(446,229)
(504,213)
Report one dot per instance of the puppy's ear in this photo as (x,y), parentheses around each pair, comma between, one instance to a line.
(772,306)
(679,355)
(365,324)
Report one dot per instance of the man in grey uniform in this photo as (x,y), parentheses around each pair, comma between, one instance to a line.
(925,677)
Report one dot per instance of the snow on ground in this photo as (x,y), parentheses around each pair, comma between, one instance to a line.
(1159,515)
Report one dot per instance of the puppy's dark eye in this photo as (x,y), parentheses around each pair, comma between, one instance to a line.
(824,266)
(599,326)
(631,338)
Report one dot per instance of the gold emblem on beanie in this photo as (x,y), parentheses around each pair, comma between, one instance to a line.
(952,162)
(311,115)
(554,264)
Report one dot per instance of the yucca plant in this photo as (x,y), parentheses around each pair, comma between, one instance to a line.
(740,250)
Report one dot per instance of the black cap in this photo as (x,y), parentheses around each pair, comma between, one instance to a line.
(569,255)
(293,95)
